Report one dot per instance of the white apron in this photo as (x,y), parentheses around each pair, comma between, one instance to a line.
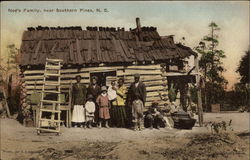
(78,114)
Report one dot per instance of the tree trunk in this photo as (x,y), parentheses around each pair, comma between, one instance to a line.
(200,109)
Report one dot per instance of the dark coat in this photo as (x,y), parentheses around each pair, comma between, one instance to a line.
(140,90)
(95,92)
(79,93)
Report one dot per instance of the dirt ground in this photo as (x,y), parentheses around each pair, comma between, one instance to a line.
(22,143)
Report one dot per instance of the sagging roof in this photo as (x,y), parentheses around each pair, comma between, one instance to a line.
(106,45)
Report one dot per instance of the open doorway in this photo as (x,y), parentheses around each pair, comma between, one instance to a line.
(102,76)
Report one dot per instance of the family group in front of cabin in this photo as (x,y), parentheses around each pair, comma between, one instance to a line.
(115,106)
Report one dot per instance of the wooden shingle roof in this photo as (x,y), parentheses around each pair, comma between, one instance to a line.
(76,46)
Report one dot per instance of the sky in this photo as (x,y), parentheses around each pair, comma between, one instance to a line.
(189,19)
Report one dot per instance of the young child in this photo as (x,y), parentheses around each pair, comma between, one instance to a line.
(90,110)
(104,105)
(154,116)
(137,112)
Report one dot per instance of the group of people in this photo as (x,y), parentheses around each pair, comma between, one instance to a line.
(116,105)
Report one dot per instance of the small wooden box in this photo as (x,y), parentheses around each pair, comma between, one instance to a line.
(215,108)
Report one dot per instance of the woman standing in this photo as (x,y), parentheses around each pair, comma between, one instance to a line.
(79,92)
(118,111)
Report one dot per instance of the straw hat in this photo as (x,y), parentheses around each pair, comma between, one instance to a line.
(104,88)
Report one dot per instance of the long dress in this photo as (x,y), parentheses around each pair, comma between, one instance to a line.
(119,115)
(78,97)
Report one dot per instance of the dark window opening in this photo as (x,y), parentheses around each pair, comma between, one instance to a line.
(102,76)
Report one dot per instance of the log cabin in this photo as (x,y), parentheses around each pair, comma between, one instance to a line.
(108,53)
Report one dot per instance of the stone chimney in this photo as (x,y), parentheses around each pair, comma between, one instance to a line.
(138,28)
(138,24)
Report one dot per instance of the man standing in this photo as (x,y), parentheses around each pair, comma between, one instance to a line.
(136,89)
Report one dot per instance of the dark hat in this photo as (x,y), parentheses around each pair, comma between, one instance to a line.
(137,75)
(121,79)
(78,76)
(94,77)
(90,96)
(155,102)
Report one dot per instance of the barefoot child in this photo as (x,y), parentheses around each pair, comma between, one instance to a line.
(104,105)
(90,110)
(154,116)
(137,112)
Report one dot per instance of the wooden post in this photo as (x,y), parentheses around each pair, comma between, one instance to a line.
(70,105)
(198,84)
(6,103)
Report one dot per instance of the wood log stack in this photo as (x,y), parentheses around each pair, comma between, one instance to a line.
(164,93)
(23,97)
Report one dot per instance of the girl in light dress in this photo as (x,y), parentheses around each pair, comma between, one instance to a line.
(90,111)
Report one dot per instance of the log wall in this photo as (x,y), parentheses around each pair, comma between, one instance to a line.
(151,75)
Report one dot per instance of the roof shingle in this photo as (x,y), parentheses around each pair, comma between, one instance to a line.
(86,47)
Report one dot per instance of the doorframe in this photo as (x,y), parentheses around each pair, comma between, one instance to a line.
(101,71)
